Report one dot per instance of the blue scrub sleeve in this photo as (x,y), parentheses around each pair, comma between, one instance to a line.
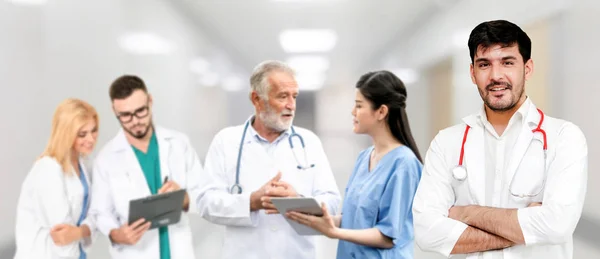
(395,205)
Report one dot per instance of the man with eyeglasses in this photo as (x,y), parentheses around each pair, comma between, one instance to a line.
(142,160)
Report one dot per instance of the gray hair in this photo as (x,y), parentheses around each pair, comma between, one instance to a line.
(259,82)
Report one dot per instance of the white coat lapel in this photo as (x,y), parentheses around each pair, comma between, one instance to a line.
(136,175)
(164,151)
(253,150)
(255,153)
(132,167)
(474,161)
(256,167)
(523,142)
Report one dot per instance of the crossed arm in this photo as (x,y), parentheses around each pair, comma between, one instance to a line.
(488,228)
(469,229)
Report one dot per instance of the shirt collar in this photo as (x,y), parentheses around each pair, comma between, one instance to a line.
(120,142)
(521,113)
(257,137)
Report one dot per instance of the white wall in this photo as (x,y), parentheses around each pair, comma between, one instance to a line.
(581,38)
(438,38)
(20,119)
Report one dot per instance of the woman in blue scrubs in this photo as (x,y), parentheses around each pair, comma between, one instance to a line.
(376,220)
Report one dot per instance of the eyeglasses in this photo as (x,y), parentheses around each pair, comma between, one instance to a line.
(139,113)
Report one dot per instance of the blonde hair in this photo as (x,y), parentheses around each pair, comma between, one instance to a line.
(69,117)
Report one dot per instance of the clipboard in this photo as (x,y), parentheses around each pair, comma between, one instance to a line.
(302,205)
(161,209)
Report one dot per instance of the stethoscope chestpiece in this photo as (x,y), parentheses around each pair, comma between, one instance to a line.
(459,173)
(236,189)
(305,167)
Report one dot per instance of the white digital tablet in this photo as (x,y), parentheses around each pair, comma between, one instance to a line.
(302,205)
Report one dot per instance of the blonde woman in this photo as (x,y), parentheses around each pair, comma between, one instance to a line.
(54,200)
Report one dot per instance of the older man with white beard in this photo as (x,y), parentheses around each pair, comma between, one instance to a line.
(265,157)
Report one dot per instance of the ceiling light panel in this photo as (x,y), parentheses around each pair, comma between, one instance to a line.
(308,40)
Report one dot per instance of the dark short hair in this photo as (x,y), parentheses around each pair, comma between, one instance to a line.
(500,32)
(125,85)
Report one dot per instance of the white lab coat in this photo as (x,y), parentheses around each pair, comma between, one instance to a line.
(254,235)
(49,197)
(547,229)
(119,179)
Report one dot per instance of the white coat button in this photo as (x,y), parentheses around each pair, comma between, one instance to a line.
(273,229)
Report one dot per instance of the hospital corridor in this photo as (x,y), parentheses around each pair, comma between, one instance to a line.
(197,58)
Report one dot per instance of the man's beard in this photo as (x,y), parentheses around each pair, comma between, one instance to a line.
(273,120)
(139,134)
(503,107)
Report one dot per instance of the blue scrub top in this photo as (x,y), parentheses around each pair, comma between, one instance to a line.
(382,199)
(84,208)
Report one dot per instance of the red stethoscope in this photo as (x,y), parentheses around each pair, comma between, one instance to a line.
(460,172)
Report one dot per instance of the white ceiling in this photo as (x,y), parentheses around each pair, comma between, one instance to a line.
(367,29)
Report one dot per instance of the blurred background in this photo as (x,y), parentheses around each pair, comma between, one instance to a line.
(196,57)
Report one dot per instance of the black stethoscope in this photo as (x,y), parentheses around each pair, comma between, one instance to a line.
(460,171)
(237,188)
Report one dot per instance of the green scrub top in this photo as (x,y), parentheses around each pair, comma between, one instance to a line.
(150,164)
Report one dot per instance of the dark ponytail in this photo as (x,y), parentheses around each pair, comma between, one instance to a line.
(384,88)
